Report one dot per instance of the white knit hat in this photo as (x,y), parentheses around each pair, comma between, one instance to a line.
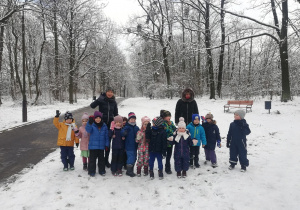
(181,123)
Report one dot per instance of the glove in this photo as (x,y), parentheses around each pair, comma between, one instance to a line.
(77,144)
(228,144)
(57,113)
(112,125)
(77,131)
(219,143)
(195,141)
(91,119)
(203,119)
(170,138)
(106,149)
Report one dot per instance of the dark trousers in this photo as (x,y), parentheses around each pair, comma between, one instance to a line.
(94,155)
(238,149)
(181,163)
(210,155)
(169,155)
(67,156)
(154,155)
(117,159)
(194,154)
(124,158)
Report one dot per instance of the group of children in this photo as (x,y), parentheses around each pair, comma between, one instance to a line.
(154,141)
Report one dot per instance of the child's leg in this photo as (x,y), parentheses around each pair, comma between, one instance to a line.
(207,157)
(92,162)
(114,158)
(192,155)
(177,163)
(146,159)
(242,152)
(151,160)
(140,159)
(101,161)
(168,158)
(84,160)
(159,161)
(120,159)
(63,156)
(212,155)
(233,150)
(71,156)
(185,163)
(196,156)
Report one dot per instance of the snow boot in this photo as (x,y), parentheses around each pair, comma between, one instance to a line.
(183,174)
(231,167)
(120,173)
(145,170)
(160,174)
(138,171)
(179,174)
(151,174)
(196,162)
(168,169)
(85,166)
(214,165)
(243,169)
(191,163)
(129,171)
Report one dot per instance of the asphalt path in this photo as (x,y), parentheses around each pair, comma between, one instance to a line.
(25,146)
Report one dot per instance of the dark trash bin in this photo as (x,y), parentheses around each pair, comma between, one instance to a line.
(268,105)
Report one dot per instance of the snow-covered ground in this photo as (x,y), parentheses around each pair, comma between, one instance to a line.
(272,180)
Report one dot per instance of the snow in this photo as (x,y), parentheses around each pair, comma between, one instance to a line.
(271,181)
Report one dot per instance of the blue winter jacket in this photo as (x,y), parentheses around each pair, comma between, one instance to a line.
(238,130)
(98,138)
(197,132)
(130,131)
(212,134)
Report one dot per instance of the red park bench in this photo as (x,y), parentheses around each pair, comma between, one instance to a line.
(238,104)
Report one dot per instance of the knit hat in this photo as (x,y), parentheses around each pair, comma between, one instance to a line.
(181,123)
(109,89)
(158,121)
(131,115)
(97,114)
(209,115)
(85,116)
(144,119)
(195,116)
(68,115)
(240,113)
(165,113)
(119,119)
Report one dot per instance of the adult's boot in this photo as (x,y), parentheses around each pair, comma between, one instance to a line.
(129,171)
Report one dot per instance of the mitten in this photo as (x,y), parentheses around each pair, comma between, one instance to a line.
(203,119)
(76,131)
(170,138)
(91,119)
(106,149)
(195,141)
(77,144)
(228,144)
(57,113)
(219,143)
(112,125)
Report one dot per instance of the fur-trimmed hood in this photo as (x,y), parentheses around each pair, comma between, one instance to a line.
(187,90)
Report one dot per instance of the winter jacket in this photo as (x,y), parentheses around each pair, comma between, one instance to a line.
(169,128)
(197,132)
(143,143)
(117,142)
(158,139)
(98,137)
(84,138)
(107,106)
(212,135)
(182,148)
(130,131)
(62,133)
(238,130)
(186,107)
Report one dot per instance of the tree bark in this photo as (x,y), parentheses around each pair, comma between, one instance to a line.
(221,59)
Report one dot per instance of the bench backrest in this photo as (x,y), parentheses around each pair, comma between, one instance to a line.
(240,102)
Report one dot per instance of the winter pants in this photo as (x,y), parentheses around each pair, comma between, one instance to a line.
(169,155)
(94,155)
(67,156)
(143,159)
(124,158)
(194,154)
(131,157)
(117,159)
(210,155)
(181,163)
(85,160)
(238,149)
(154,155)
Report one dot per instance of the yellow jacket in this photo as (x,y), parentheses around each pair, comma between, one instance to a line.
(62,133)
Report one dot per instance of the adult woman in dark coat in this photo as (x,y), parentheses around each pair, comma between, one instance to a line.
(108,106)
(186,106)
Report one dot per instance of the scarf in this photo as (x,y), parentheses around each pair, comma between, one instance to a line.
(179,135)
(69,132)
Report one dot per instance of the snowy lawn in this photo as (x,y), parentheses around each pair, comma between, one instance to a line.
(272,180)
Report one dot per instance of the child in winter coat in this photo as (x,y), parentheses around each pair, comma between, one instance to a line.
(129,132)
(212,137)
(157,145)
(66,138)
(98,143)
(84,140)
(170,128)
(117,146)
(237,142)
(197,132)
(124,154)
(143,148)
(183,143)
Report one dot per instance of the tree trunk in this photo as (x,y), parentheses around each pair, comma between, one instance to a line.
(1,55)
(24,107)
(221,59)
(72,58)
(56,56)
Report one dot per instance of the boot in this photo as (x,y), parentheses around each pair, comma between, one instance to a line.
(145,170)
(196,162)
(129,171)
(85,166)
(179,174)
(168,169)
(191,162)
(183,174)
(243,168)
(160,174)
(151,174)
(138,171)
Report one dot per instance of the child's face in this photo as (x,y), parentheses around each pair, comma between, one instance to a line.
(109,94)
(237,117)
(69,121)
(84,121)
(124,122)
(97,119)
(168,118)
(196,121)
(118,124)
(145,124)
(181,130)
(208,120)
(131,120)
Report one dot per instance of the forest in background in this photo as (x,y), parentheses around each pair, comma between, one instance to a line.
(54,50)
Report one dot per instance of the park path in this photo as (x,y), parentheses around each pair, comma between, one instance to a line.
(25,146)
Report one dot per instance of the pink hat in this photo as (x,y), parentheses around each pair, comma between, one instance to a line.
(144,119)
(85,116)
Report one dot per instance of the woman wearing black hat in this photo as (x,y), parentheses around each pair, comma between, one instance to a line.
(108,106)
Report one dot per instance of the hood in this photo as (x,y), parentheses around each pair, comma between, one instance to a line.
(187,90)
